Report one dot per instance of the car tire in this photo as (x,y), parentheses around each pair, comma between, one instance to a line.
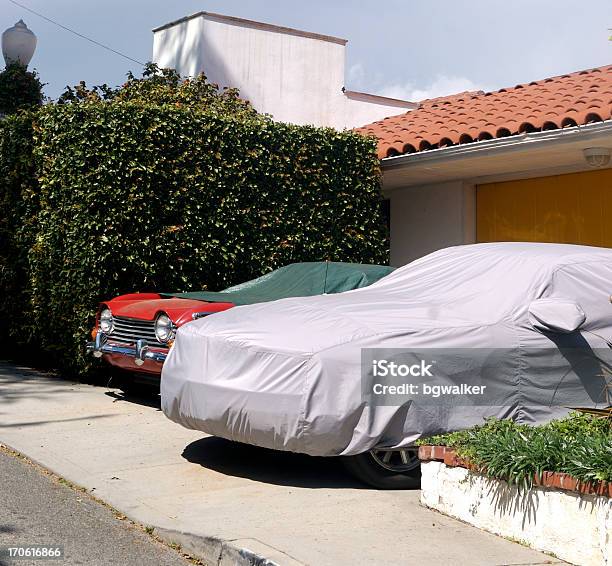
(371,468)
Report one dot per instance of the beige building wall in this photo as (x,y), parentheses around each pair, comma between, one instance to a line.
(427,218)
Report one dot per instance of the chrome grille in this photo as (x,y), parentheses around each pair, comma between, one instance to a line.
(128,330)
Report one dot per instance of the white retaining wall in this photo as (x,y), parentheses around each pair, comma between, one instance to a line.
(573,526)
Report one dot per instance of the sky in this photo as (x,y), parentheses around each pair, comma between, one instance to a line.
(400,48)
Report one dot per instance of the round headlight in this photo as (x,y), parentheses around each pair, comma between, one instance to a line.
(164,329)
(106,321)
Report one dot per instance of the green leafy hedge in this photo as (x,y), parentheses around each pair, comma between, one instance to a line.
(18,203)
(19,89)
(166,197)
(579,445)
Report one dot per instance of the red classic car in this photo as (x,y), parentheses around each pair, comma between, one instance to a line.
(135,332)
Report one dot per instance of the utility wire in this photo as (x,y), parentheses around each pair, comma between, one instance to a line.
(77,33)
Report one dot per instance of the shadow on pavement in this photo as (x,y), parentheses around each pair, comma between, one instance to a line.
(7,529)
(28,381)
(39,423)
(268,466)
(147,400)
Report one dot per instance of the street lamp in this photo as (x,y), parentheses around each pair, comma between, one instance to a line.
(18,44)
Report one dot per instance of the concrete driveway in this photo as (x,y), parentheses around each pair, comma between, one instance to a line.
(227,503)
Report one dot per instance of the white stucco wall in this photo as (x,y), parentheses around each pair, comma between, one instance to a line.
(361,109)
(294,76)
(573,526)
(179,47)
(427,218)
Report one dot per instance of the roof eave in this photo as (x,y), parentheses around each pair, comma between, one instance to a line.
(253,24)
(526,155)
(379,99)
(510,143)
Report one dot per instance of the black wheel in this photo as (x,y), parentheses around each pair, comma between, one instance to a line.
(387,469)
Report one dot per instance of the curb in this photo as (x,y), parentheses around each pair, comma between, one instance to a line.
(219,552)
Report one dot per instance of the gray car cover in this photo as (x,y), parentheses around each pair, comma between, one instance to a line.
(293,374)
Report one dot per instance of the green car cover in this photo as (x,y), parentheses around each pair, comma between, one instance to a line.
(295,280)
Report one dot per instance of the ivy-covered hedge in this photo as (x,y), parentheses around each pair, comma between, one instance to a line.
(145,197)
(18,202)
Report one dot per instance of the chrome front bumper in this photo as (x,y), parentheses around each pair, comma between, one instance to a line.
(140,351)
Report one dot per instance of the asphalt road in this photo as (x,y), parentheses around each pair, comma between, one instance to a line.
(37,509)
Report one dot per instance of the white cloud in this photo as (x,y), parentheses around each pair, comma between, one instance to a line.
(358,78)
(356,75)
(442,85)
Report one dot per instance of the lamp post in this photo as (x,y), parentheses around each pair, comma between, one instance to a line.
(18,44)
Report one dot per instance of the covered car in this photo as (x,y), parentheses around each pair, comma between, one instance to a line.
(294,374)
(134,332)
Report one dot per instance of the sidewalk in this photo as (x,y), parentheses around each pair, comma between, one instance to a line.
(225,503)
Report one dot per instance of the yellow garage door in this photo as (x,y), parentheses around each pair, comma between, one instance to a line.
(574,208)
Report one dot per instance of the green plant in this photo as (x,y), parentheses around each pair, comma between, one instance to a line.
(579,445)
(166,184)
(19,89)
(18,211)
(132,196)
(166,86)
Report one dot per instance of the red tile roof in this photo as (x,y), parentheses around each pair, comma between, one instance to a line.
(558,102)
